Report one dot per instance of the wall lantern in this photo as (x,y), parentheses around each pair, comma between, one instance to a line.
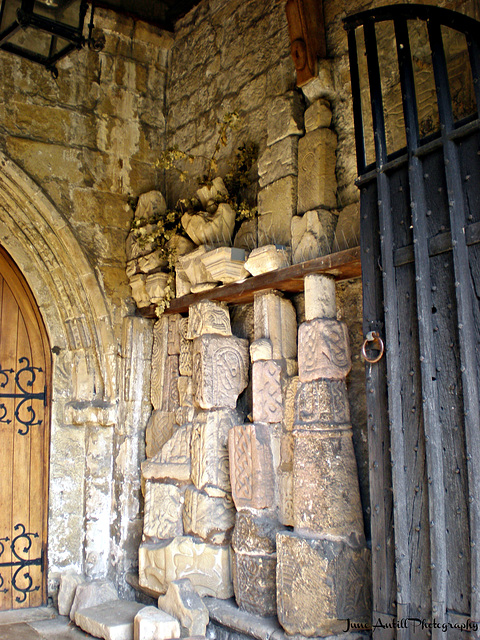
(44,31)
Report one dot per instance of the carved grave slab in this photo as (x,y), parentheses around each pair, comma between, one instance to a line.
(254,583)
(208,317)
(159,429)
(323,350)
(322,404)
(173,460)
(267,391)
(276,319)
(163,510)
(186,350)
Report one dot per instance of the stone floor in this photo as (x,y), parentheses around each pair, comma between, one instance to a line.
(42,623)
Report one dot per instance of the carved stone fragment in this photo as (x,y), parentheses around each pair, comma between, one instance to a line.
(317,185)
(275,319)
(220,370)
(208,317)
(139,290)
(251,466)
(211,519)
(267,258)
(159,357)
(320,301)
(174,333)
(184,415)
(173,460)
(254,583)
(159,430)
(150,205)
(290,392)
(185,391)
(186,350)
(278,161)
(318,115)
(156,286)
(170,399)
(210,464)
(154,624)
(163,510)
(183,603)
(212,229)
(255,534)
(285,491)
(323,350)
(261,350)
(277,203)
(267,391)
(312,235)
(191,267)
(326,496)
(206,566)
(285,117)
(320,584)
(152,261)
(322,404)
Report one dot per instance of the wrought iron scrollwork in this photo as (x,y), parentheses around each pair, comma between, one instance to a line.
(24,379)
(21,579)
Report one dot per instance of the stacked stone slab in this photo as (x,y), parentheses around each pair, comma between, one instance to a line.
(199,369)
(323,565)
(254,450)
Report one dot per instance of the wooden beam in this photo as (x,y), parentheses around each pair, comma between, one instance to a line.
(342,265)
(306,27)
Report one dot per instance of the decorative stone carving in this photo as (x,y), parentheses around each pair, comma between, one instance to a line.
(139,291)
(185,391)
(254,583)
(174,334)
(251,466)
(150,205)
(172,462)
(277,203)
(324,466)
(91,594)
(312,235)
(208,317)
(261,350)
(278,161)
(275,319)
(225,264)
(155,286)
(163,510)
(267,391)
(246,236)
(285,491)
(322,404)
(290,392)
(210,519)
(220,370)
(268,258)
(191,267)
(320,584)
(323,350)
(159,356)
(69,581)
(206,566)
(286,451)
(183,603)
(152,261)
(184,415)
(285,117)
(154,624)
(317,185)
(254,534)
(170,399)
(318,115)
(186,350)
(210,228)
(210,464)
(136,246)
(209,194)
(159,430)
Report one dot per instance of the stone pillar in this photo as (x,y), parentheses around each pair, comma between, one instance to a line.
(323,565)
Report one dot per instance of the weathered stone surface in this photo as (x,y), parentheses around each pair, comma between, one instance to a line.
(192,268)
(317,185)
(155,624)
(111,620)
(185,391)
(183,286)
(255,534)
(186,350)
(277,203)
(170,399)
(184,415)
(173,460)
(206,566)
(209,194)
(269,257)
(285,491)
(286,451)
(208,317)
(220,370)
(208,518)
(136,246)
(251,466)
(152,261)
(212,229)
(139,290)
(285,117)
(275,319)
(92,593)
(318,115)
(246,236)
(290,393)
(159,357)
(69,581)
(312,234)
(326,497)
(320,301)
(183,603)
(150,205)
(261,350)
(347,231)
(267,391)
(174,334)
(254,583)
(278,161)
(225,264)
(323,350)
(210,465)
(159,430)
(320,584)
(163,510)
(322,404)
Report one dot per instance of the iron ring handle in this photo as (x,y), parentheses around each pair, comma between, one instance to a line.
(373,336)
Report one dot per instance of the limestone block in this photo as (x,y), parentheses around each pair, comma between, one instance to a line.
(173,461)
(317,185)
(210,229)
(255,534)
(186,350)
(159,430)
(92,593)
(261,349)
(192,268)
(318,115)
(275,319)
(267,391)
(183,603)
(139,290)
(312,234)
(206,566)
(180,246)
(286,451)
(69,581)
(268,258)
(208,317)
(246,236)
(136,246)
(326,496)
(156,286)
(163,510)
(220,370)
(251,466)
(254,583)
(285,490)
(290,393)
(174,334)
(185,391)
(285,117)
(320,299)
(210,466)
(277,203)
(155,624)
(225,264)
(210,194)
(211,519)
(320,584)
(111,620)
(150,206)
(131,268)
(152,261)
(184,415)
(323,350)
(159,357)
(278,161)
(347,231)
(183,285)
(322,404)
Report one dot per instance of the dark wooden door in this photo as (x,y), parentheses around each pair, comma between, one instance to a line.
(415,80)
(24,440)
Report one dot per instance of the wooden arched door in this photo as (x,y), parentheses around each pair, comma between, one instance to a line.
(25,373)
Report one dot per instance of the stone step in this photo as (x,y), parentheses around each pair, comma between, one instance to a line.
(112,620)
